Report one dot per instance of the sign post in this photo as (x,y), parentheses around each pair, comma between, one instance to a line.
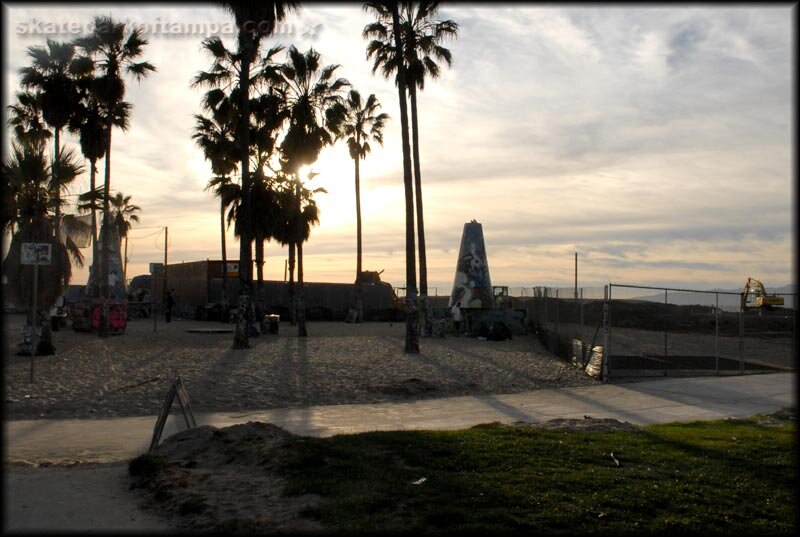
(35,253)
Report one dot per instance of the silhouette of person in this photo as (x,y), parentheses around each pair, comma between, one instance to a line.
(170,303)
(456,311)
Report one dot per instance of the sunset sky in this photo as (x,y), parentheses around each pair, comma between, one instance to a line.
(654,141)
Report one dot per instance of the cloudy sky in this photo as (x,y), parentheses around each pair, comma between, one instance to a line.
(654,141)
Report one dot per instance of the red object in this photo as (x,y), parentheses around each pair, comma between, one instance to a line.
(117,316)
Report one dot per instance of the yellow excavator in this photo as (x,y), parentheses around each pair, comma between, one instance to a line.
(760,298)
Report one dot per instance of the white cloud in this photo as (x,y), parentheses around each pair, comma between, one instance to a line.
(655,140)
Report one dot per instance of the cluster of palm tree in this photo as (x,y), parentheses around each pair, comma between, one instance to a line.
(77,86)
(269,119)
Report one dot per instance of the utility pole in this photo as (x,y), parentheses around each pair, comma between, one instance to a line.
(576,276)
(166,249)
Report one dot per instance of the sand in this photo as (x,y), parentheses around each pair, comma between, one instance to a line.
(339,363)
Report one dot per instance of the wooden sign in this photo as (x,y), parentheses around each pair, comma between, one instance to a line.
(36,253)
(176,389)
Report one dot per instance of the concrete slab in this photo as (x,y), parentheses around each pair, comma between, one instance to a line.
(664,400)
(77,498)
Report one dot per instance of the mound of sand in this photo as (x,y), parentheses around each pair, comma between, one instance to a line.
(223,480)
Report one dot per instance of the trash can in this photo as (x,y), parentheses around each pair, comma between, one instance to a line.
(273,321)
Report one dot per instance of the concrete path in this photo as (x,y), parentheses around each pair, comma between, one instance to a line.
(95,497)
(660,401)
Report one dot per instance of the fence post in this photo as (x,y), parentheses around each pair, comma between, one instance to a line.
(606,330)
(557,310)
(546,316)
(741,340)
(716,335)
(666,328)
(581,310)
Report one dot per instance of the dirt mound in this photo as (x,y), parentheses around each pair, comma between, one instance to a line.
(221,480)
(409,387)
(588,423)
(210,446)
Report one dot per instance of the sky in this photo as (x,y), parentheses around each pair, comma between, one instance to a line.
(656,142)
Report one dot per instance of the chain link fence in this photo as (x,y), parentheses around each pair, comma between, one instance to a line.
(642,331)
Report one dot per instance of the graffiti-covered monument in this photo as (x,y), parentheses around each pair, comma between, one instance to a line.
(472,285)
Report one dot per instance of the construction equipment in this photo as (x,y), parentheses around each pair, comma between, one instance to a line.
(501,298)
(755,296)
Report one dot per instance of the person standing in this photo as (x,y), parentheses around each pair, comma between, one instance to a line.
(456,311)
(170,303)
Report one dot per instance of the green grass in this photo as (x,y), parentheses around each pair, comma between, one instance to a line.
(722,477)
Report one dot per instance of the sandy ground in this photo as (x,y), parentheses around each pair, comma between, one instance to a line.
(129,374)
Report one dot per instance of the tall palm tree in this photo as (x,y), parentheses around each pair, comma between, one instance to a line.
(50,74)
(255,21)
(412,320)
(215,135)
(26,176)
(269,112)
(109,49)
(359,123)
(421,35)
(311,97)
(124,215)
(89,124)
(221,132)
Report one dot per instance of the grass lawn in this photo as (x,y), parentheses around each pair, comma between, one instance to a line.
(719,477)
(730,477)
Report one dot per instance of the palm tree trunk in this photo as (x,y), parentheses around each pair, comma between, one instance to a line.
(260,263)
(359,266)
(241,336)
(301,306)
(423,264)
(92,177)
(56,186)
(224,259)
(103,331)
(292,309)
(412,327)
(125,263)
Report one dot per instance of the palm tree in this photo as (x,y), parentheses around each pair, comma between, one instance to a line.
(412,327)
(108,50)
(421,36)
(89,124)
(299,212)
(255,21)
(123,217)
(215,135)
(311,97)
(50,74)
(25,176)
(221,132)
(359,124)
(26,118)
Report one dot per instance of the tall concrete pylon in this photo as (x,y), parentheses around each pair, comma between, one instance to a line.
(472,285)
